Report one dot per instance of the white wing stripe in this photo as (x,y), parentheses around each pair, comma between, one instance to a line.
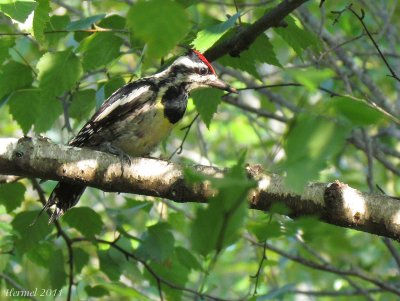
(120,102)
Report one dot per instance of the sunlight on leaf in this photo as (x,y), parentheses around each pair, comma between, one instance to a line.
(210,35)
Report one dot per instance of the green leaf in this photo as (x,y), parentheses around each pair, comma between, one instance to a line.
(56,270)
(157,243)
(126,291)
(40,19)
(113,85)
(12,195)
(96,291)
(5,44)
(310,144)
(81,258)
(31,230)
(210,35)
(260,51)
(49,109)
(52,81)
(113,22)
(357,111)
(5,259)
(244,63)
(296,36)
(265,229)
(6,242)
(217,226)
(276,293)
(174,272)
(132,209)
(111,263)
(99,49)
(206,102)
(161,34)
(84,23)
(41,254)
(29,107)
(14,76)
(186,258)
(311,78)
(17,9)
(23,109)
(85,220)
(56,23)
(82,104)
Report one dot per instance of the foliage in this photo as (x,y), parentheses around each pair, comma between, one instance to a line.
(325,89)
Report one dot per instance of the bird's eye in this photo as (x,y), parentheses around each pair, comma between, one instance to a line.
(203,71)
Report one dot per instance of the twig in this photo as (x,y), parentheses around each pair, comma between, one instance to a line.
(260,266)
(259,112)
(332,93)
(331,269)
(25,61)
(237,11)
(339,13)
(361,19)
(358,142)
(363,34)
(203,146)
(244,4)
(370,160)
(60,232)
(273,97)
(335,293)
(179,149)
(221,236)
(314,253)
(97,29)
(158,278)
(69,7)
(376,93)
(393,251)
(159,289)
(65,105)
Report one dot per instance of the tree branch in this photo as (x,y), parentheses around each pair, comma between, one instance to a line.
(387,286)
(334,203)
(247,35)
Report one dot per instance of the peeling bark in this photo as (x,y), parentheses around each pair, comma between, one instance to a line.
(335,203)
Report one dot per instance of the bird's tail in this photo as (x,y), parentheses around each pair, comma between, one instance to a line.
(64,196)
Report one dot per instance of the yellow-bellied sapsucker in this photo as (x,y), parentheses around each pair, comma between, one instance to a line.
(138,116)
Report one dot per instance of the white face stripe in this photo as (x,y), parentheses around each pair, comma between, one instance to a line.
(124,100)
(185,61)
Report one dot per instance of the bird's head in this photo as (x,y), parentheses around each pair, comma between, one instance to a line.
(195,70)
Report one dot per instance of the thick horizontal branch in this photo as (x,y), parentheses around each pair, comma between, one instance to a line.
(247,35)
(334,203)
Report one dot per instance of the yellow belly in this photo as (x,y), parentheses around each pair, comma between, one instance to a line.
(143,137)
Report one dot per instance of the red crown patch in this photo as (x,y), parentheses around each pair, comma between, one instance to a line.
(203,58)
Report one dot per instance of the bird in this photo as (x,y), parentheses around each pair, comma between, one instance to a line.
(137,117)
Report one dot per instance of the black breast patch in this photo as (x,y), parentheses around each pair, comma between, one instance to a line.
(175,102)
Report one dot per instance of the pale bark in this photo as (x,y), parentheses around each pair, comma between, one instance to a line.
(335,203)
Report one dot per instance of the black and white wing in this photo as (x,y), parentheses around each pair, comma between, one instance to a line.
(120,104)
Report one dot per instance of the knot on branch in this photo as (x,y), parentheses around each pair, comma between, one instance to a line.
(342,200)
(22,152)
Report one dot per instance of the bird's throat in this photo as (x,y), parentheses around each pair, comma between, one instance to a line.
(174,101)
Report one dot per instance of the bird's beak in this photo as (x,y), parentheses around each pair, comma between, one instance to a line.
(220,84)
